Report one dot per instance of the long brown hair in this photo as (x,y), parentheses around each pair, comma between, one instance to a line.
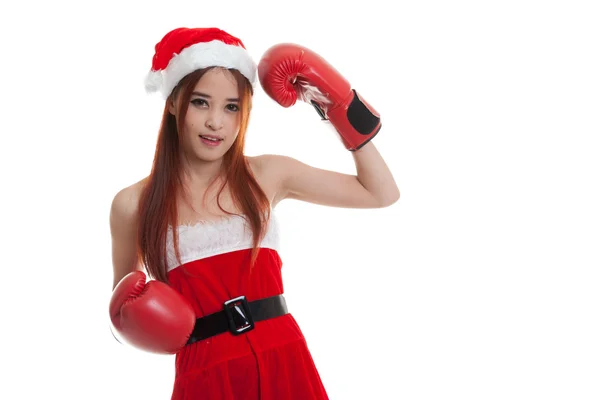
(158,200)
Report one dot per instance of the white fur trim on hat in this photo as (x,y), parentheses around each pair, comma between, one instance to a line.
(153,81)
(201,55)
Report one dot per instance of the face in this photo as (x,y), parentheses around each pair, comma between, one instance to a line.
(212,121)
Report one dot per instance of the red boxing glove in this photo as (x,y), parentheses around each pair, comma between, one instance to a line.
(288,71)
(152,317)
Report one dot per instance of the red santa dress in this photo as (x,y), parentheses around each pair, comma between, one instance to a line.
(271,361)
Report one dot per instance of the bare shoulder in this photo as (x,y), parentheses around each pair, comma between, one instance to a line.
(268,170)
(270,165)
(125,202)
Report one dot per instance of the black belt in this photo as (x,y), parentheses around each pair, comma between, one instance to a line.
(238,316)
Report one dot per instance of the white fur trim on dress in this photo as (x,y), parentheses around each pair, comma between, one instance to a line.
(201,55)
(207,239)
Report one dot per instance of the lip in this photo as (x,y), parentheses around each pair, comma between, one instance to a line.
(210,143)
(212,136)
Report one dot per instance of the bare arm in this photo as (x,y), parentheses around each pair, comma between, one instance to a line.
(373,186)
(375,176)
(123,224)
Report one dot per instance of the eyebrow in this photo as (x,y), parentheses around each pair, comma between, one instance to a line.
(208,96)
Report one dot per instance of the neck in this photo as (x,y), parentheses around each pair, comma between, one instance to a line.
(200,173)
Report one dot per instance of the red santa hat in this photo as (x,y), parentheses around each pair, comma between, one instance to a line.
(184,50)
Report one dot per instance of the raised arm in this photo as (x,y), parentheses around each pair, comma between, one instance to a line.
(373,186)
(289,72)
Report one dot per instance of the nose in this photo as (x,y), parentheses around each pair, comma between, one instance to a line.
(214,121)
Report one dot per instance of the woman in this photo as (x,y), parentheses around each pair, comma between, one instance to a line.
(203,226)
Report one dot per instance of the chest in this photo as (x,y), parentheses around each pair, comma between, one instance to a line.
(213,204)
(203,205)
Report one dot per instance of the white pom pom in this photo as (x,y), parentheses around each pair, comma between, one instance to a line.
(153,81)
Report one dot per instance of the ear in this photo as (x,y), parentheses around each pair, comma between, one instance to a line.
(172,107)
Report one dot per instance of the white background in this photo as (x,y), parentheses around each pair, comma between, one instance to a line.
(480,283)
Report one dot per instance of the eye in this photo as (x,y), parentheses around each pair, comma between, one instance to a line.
(232,107)
(199,102)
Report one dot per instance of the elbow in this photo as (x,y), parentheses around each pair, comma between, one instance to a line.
(390,200)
